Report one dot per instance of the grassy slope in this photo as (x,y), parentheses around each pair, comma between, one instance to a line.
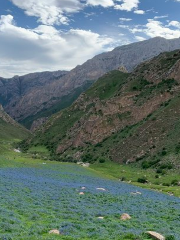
(9,131)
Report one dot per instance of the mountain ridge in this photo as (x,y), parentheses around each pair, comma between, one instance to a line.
(40,99)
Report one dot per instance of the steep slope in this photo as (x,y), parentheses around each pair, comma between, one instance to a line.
(123,117)
(33,104)
(14,92)
(9,129)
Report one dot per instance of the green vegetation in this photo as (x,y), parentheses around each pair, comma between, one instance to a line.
(135,175)
(108,85)
(9,131)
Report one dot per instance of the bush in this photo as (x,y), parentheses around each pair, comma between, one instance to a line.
(174,182)
(148,164)
(171,237)
(123,179)
(101,160)
(142,180)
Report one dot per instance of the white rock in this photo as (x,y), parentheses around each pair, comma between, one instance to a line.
(81,193)
(17,150)
(101,189)
(54,231)
(125,216)
(156,235)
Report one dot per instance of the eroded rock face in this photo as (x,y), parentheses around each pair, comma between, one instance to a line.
(28,95)
(156,235)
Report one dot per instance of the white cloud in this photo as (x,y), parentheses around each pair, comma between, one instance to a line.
(139,38)
(49,11)
(175,24)
(45,48)
(139,12)
(127,5)
(156,28)
(160,17)
(103,3)
(125,19)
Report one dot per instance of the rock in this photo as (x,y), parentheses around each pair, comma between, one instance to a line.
(81,193)
(100,218)
(85,164)
(17,150)
(156,235)
(101,189)
(125,216)
(54,231)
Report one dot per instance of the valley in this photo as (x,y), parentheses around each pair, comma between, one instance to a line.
(101,158)
(40,195)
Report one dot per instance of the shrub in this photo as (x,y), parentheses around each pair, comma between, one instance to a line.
(101,160)
(174,182)
(170,237)
(142,180)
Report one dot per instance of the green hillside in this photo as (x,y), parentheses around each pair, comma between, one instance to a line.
(127,118)
(9,129)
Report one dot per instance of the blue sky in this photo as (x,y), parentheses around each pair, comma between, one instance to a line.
(47,35)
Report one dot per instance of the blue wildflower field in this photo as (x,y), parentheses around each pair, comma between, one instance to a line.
(35,200)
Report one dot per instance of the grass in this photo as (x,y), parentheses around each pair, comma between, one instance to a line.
(108,85)
(131,173)
(9,131)
(39,195)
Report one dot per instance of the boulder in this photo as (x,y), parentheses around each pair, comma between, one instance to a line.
(101,189)
(81,193)
(125,216)
(155,235)
(54,231)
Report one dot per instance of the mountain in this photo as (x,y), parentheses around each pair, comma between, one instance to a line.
(19,95)
(9,129)
(125,117)
(35,96)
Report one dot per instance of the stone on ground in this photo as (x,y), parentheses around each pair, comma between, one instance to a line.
(155,235)
(125,216)
(54,231)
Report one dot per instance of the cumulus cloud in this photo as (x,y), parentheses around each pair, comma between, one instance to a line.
(103,3)
(156,28)
(45,48)
(49,12)
(139,11)
(127,5)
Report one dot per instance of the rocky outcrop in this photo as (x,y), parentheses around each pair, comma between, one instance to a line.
(125,117)
(23,97)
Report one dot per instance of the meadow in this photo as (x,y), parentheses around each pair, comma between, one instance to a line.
(37,196)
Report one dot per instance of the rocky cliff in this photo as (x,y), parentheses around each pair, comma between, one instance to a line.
(26,98)
(125,117)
